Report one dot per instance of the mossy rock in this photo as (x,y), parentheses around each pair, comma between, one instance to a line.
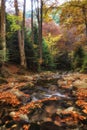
(3,81)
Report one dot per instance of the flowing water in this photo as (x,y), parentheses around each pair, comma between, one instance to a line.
(49,116)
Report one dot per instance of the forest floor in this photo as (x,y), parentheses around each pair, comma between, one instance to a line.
(44,101)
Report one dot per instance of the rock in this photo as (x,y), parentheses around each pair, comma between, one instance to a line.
(59,111)
(50,109)
(25,79)
(35,117)
(21,96)
(26,89)
(16,92)
(80,84)
(69,109)
(69,78)
(47,119)
(61,82)
(29,77)
(3,80)
(24,117)
(53,88)
(12,114)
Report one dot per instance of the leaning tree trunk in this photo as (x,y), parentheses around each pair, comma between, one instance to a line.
(3,33)
(21,36)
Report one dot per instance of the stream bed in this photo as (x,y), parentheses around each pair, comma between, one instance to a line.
(50,104)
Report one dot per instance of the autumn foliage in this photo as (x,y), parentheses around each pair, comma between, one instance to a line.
(9,98)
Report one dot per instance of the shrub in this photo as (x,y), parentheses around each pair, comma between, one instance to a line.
(63,61)
(84,66)
(48,62)
(78,58)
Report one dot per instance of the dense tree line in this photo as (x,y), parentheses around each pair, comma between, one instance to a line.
(61,48)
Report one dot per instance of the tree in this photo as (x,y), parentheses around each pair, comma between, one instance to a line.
(32,24)
(23,37)
(21,34)
(40,30)
(84,66)
(78,58)
(39,11)
(74,14)
(82,5)
(3,32)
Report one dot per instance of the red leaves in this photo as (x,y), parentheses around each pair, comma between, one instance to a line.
(69,118)
(26,127)
(83,105)
(9,98)
(81,93)
(31,106)
(36,104)
(85,110)
(50,27)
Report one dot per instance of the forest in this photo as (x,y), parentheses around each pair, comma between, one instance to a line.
(43,64)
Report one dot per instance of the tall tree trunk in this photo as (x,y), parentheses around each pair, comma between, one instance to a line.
(84,10)
(32,25)
(86,29)
(3,32)
(21,35)
(39,19)
(40,31)
(0,20)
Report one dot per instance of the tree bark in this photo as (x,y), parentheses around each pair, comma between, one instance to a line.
(21,35)
(39,19)
(23,38)
(32,25)
(3,32)
(40,31)
(84,10)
